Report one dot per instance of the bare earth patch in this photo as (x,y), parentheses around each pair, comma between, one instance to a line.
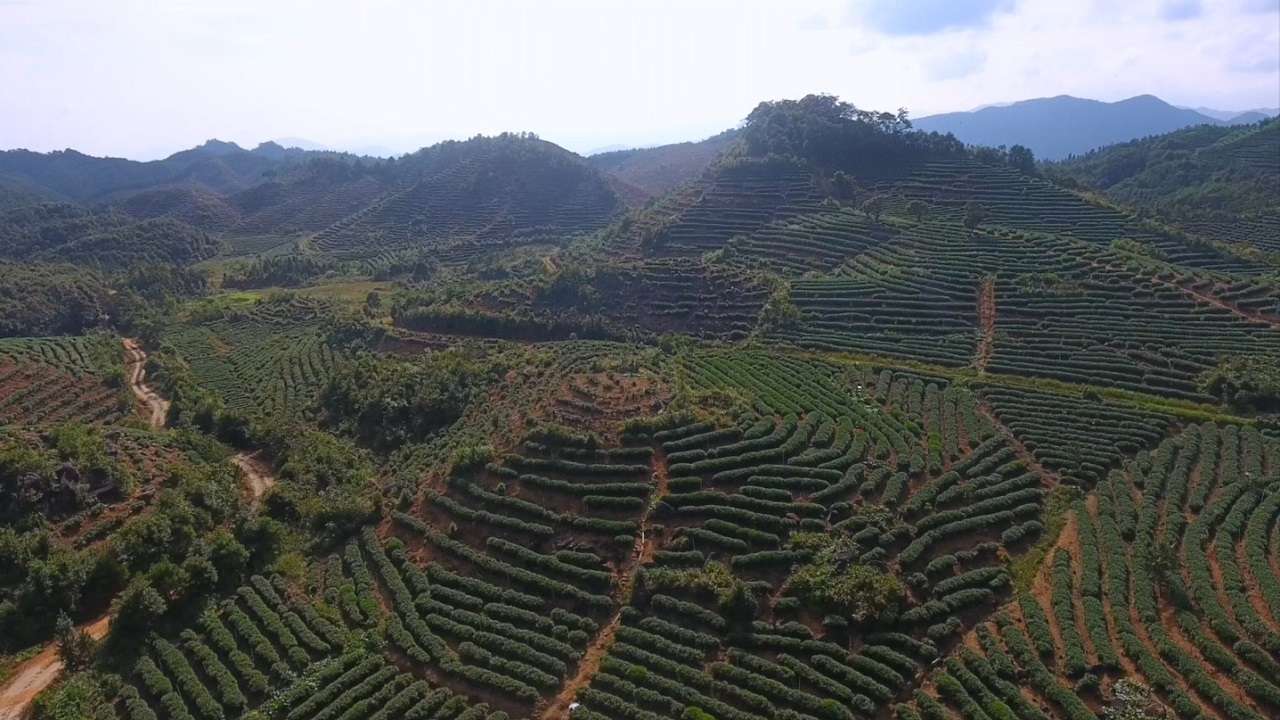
(137,370)
(37,674)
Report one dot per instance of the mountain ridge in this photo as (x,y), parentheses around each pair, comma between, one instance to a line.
(1060,126)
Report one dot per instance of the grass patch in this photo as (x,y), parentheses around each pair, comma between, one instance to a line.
(10,663)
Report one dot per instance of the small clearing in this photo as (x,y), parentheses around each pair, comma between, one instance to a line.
(137,371)
(37,674)
(256,471)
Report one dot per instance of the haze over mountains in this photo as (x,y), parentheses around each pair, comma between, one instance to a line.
(1053,128)
(1057,127)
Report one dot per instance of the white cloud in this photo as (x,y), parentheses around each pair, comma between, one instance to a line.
(954,66)
(1179,10)
(816,21)
(150,77)
(925,17)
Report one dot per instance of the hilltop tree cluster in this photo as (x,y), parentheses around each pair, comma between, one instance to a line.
(825,132)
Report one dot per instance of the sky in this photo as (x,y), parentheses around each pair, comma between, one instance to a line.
(143,79)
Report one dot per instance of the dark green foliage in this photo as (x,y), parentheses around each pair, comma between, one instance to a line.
(1196,173)
(42,299)
(1246,382)
(858,591)
(825,132)
(60,232)
(323,478)
(387,403)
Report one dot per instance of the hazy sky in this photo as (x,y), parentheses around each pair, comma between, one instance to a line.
(144,79)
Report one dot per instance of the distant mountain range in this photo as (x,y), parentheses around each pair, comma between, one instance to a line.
(221,167)
(1055,128)
(1237,116)
(380,151)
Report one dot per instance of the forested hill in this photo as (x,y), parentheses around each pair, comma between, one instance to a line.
(482,191)
(221,167)
(1190,172)
(1220,182)
(454,198)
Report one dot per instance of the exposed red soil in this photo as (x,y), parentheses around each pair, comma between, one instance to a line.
(1126,665)
(1042,587)
(158,407)
(598,401)
(558,707)
(59,395)
(1221,679)
(257,472)
(38,673)
(1140,631)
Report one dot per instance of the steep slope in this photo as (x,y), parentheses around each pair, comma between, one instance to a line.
(658,169)
(479,192)
(1057,127)
(462,197)
(15,193)
(62,232)
(1206,177)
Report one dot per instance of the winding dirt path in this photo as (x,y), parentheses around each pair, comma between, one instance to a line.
(137,370)
(38,673)
(1018,448)
(589,665)
(1042,586)
(256,471)
(1221,304)
(986,324)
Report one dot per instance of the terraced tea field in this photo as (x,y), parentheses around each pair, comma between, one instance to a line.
(1168,573)
(906,433)
(55,380)
(271,358)
(1062,309)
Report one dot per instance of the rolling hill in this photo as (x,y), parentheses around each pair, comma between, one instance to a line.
(218,166)
(852,423)
(456,199)
(1223,183)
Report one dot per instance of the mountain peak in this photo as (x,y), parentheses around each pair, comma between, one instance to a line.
(214,146)
(1059,126)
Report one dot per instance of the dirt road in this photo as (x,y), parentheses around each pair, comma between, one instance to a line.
(37,674)
(256,471)
(137,371)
